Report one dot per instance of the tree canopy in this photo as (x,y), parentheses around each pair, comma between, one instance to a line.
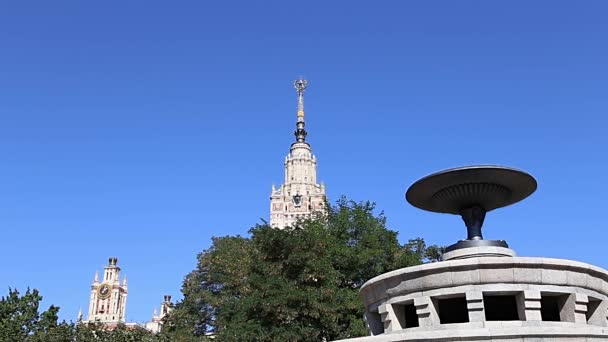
(295,284)
(20,320)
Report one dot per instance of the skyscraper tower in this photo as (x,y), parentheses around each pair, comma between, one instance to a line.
(300,195)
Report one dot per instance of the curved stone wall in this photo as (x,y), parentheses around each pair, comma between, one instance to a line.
(489,298)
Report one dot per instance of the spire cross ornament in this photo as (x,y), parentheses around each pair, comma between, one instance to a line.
(300,86)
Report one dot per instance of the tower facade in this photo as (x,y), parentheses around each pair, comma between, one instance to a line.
(156,324)
(300,196)
(108,300)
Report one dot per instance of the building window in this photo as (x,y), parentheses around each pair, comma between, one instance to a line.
(500,307)
(551,305)
(452,310)
(406,314)
(374,322)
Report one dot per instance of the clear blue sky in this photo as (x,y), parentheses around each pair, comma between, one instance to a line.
(140,129)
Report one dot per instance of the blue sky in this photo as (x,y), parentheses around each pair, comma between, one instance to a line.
(140,129)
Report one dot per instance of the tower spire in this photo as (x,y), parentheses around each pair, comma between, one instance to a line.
(300,132)
(300,196)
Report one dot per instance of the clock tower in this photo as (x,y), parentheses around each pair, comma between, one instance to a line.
(108,297)
(300,196)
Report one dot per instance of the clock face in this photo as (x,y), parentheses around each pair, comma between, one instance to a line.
(103,292)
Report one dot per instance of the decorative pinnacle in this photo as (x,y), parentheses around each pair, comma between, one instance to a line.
(113,261)
(300,132)
(300,86)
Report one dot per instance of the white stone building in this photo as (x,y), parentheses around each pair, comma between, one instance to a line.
(300,196)
(108,300)
(156,324)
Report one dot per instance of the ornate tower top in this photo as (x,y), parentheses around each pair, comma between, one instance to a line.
(108,297)
(300,196)
(300,132)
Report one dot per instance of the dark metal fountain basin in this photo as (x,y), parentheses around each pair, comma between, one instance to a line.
(471,192)
(489,186)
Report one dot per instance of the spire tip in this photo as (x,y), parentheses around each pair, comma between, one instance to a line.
(300,85)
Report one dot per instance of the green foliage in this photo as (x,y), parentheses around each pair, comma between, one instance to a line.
(296,284)
(19,316)
(220,279)
(122,333)
(21,321)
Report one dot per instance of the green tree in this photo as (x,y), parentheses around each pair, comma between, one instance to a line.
(294,284)
(121,333)
(220,278)
(19,316)
(20,320)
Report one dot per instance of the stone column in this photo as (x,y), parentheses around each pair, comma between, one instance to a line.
(427,315)
(574,308)
(475,306)
(388,317)
(599,313)
(528,306)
